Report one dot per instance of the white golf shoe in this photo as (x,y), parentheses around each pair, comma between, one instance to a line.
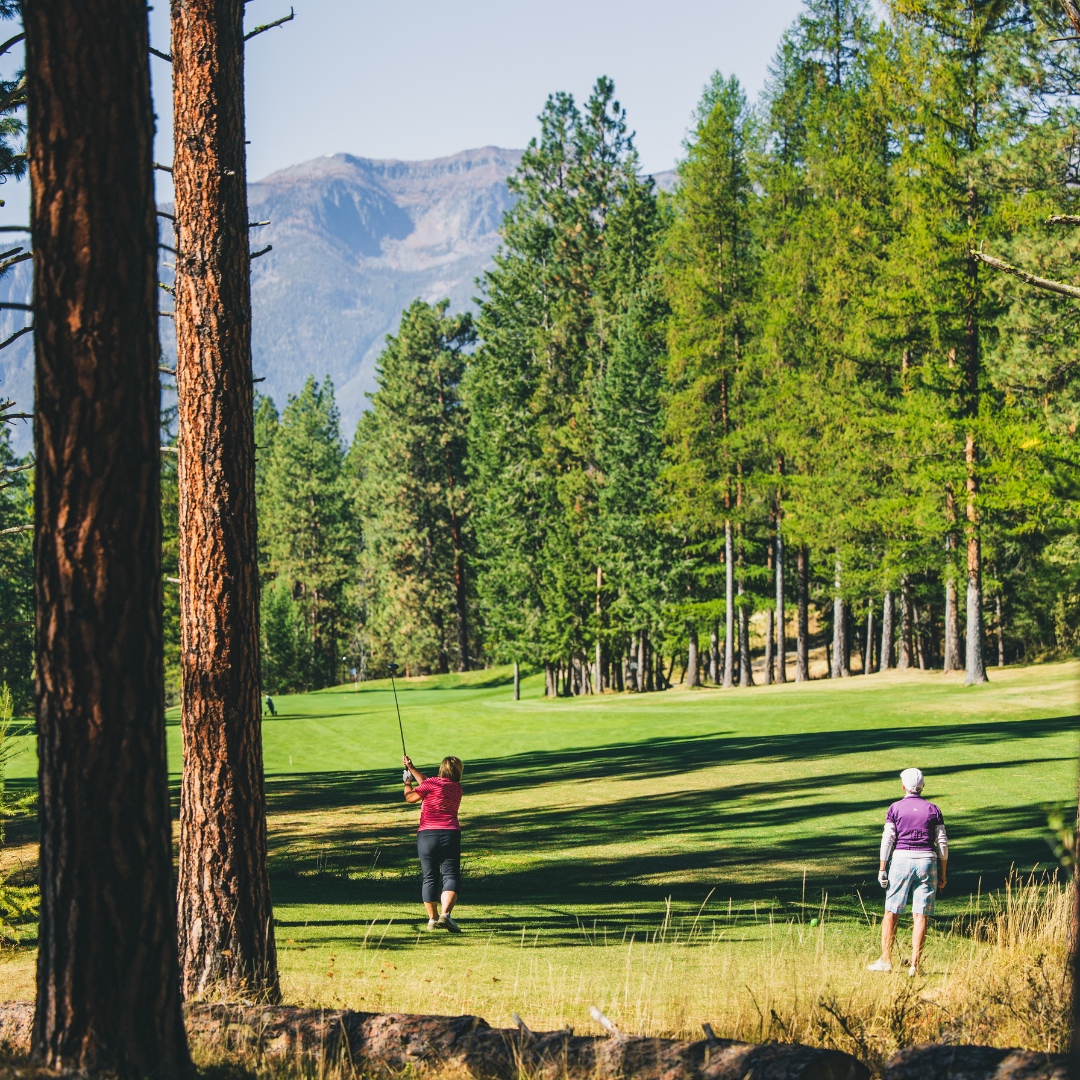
(879,965)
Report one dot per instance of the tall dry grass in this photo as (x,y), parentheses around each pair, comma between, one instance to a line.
(997,975)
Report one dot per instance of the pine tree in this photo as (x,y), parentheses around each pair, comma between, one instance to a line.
(710,274)
(310,529)
(409,460)
(16,576)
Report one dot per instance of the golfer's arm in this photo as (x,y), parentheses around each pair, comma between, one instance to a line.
(413,796)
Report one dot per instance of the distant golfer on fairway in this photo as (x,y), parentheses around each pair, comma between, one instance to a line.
(915,839)
(438,841)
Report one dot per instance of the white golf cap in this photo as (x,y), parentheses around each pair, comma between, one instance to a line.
(912,779)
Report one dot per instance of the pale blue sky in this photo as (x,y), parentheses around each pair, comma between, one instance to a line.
(417,79)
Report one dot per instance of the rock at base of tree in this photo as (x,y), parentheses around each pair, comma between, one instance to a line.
(396,1041)
(931,1061)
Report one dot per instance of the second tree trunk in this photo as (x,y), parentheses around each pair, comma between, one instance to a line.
(225,918)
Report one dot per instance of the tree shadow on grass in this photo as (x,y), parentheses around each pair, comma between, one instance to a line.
(748,841)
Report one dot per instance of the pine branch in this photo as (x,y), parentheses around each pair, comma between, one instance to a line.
(15,228)
(14,97)
(8,305)
(15,529)
(161,55)
(262,251)
(11,251)
(169,450)
(1073,13)
(1064,219)
(1058,287)
(257,224)
(8,263)
(270,25)
(168,288)
(168,217)
(15,337)
(168,371)
(16,469)
(16,416)
(173,580)
(167,314)
(11,41)
(165,247)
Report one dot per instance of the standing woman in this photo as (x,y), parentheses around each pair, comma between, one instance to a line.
(438,841)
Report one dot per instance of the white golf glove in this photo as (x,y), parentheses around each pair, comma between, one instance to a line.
(883,879)
(406,776)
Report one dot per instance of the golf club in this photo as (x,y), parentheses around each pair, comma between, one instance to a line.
(392,668)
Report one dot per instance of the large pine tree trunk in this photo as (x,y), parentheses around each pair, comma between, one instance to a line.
(885,657)
(692,677)
(729,604)
(976,661)
(517,681)
(225,919)
(1000,625)
(781,638)
(868,654)
(746,674)
(108,988)
(905,658)
(953,661)
(840,667)
(802,639)
(714,655)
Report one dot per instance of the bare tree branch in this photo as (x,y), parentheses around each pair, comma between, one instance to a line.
(15,337)
(168,217)
(9,305)
(161,55)
(169,450)
(10,251)
(257,224)
(270,25)
(15,228)
(8,263)
(11,41)
(167,314)
(262,251)
(1058,287)
(15,529)
(1064,219)
(165,247)
(1073,13)
(168,288)
(173,580)
(261,378)
(13,97)
(168,371)
(163,168)
(16,469)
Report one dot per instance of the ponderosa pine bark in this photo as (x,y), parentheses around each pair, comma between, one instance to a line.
(975,667)
(904,660)
(802,638)
(692,677)
(953,661)
(888,615)
(108,989)
(770,630)
(840,667)
(226,918)
(729,604)
(781,638)
(746,673)
(868,654)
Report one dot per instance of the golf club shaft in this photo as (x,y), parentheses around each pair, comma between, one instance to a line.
(401,730)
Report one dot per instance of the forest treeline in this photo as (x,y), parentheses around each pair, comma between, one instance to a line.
(781,405)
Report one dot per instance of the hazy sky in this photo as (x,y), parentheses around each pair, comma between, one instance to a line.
(418,79)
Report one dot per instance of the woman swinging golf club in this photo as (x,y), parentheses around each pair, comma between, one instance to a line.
(438,840)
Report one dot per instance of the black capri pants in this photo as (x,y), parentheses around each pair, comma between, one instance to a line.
(440,854)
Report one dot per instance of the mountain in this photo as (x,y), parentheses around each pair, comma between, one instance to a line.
(353,242)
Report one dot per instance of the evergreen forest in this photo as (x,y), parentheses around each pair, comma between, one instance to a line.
(783,409)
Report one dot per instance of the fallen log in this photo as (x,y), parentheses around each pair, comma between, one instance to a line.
(393,1042)
(932,1061)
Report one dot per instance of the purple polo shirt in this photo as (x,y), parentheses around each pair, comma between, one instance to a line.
(915,820)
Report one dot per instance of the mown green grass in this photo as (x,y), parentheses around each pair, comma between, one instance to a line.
(747,811)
